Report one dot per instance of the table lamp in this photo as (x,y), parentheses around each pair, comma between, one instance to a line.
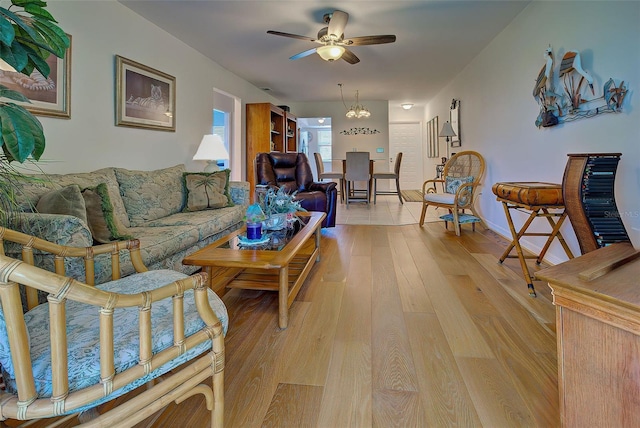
(212,150)
(447,131)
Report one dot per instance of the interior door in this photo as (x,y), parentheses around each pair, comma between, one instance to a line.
(406,137)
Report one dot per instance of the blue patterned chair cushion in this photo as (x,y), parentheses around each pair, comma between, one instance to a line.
(83,335)
(453,183)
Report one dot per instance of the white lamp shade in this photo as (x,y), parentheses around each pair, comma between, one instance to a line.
(211,149)
(330,52)
(447,130)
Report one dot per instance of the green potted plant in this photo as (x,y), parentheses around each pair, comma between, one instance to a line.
(28,35)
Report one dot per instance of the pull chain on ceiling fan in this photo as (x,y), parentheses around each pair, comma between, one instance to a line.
(334,45)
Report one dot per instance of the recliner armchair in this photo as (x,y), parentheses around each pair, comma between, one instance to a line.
(292,172)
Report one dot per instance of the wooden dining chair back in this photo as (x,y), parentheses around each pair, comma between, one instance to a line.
(329,175)
(160,333)
(395,175)
(461,178)
(357,170)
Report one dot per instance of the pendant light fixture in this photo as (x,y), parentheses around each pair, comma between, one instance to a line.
(357,110)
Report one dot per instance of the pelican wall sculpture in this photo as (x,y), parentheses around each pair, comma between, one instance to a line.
(571,102)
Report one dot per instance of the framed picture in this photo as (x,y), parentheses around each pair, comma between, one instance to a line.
(454,117)
(49,96)
(145,98)
(433,148)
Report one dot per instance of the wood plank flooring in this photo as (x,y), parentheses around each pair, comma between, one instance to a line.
(397,326)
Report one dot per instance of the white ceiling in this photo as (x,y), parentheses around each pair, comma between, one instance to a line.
(435,41)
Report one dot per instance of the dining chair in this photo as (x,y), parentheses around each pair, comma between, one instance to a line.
(329,175)
(395,175)
(462,176)
(357,169)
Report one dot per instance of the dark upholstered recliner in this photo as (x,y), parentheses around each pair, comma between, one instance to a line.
(293,172)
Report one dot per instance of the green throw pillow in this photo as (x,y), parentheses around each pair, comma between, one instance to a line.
(67,201)
(104,225)
(207,190)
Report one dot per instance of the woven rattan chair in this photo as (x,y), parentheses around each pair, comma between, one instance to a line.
(90,344)
(395,175)
(462,175)
(329,175)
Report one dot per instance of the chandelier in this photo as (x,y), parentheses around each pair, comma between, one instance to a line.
(357,110)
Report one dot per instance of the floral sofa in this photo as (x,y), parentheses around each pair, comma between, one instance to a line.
(172,212)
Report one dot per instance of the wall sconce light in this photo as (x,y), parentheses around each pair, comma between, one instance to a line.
(447,131)
(407,106)
(211,149)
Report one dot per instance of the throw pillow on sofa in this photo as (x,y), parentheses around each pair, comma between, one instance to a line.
(104,225)
(67,201)
(207,190)
(150,195)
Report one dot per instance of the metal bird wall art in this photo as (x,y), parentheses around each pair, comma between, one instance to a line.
(570,102)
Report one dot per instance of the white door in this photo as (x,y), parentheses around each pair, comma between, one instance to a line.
(406,137)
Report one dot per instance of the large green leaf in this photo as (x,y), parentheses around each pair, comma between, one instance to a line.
(6,32)
(18,21)
(36,60)
(36,10)
(23,3)
(14,55)
(58,43)
(13,95)
(21,134)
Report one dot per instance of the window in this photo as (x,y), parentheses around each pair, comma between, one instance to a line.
(324,144)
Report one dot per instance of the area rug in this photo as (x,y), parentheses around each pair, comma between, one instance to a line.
(412,195)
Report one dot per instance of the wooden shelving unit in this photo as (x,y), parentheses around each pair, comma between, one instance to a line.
(291,136)
(269,129)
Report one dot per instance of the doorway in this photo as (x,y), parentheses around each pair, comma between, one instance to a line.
(406,137)
(227,124)
(315,136)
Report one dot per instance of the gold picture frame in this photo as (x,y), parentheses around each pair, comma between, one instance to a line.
(49,96)
(145,97)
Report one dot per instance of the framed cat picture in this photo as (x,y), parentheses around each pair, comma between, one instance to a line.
(145,97)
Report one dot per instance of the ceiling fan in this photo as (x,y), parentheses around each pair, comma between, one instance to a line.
(334,45)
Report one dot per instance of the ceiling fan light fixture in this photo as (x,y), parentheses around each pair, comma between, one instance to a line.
(330,52)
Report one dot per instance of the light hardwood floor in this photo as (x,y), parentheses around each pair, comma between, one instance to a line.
(397,326)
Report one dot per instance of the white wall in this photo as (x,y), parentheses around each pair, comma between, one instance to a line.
(90,140)
(498,110)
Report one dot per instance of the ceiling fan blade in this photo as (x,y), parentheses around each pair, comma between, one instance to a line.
(350,57)
(303,54)
(293,36)
(337,23)
(370,40)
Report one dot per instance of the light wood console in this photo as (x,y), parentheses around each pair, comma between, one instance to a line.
(597,298)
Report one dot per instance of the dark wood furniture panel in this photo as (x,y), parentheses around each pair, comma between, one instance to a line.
(588,191)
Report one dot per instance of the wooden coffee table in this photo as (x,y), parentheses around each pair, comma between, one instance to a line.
(282,269)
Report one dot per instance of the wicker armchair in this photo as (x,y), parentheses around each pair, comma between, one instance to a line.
(462,175)
(90,344)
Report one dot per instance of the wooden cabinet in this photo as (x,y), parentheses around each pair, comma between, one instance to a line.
(269,129)
(291,132)
(597,298)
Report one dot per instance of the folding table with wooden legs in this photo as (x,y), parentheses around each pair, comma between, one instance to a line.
(531,197)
